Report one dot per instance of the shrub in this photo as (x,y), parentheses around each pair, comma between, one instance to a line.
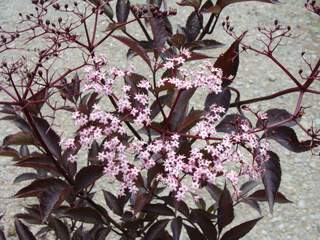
(142,131)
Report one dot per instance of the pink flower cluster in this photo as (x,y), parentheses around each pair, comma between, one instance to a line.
(126,160)
(206,127)
(207,76)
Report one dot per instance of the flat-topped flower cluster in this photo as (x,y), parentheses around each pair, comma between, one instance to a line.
(219,158)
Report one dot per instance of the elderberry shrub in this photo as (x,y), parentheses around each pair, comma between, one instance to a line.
(137,130)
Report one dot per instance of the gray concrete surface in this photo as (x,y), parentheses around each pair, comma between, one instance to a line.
(257,76)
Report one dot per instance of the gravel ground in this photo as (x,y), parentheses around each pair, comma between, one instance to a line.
(257,77)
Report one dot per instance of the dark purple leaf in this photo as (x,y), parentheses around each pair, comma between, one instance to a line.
(23,231)
(194,233)
(161,32)
(102,233)
(163,100)
(197,56)
(61,230)
(2,236)
(192,3)
(193,26)
(261,196)
(225,210)
(203,44)
(176,225)
(271,178)
(70,167)
(146,45)
(87,102)
(181,206)
(87,176)
(113,203)
(200,203)
(214,191)
(275,116)
(43,232)
(25,177)
(158,208)
(207,6)
(287,137)
(178,40)
(29,218)
(192,119)
(93,153)
(8,152)
(84,214)
(20,138)
(231,123)
(228,62)
(48,135)
(79,234)
(240,231)
(38,186)
(139,201)
(156,229)
(133,80)
(135,47)
(71,90)
(223,3)
(221,99)
(24,151)
(122,10)
(106,7)
(248,186)
(39,162)
(202,218)
(32,215)
(40,98)
(153,172)
(252,203)
(51,197)
(181,107)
